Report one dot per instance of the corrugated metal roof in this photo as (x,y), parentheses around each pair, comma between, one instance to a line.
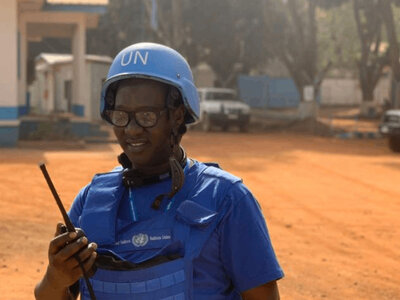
(78,2)
(56,58)
(30,5)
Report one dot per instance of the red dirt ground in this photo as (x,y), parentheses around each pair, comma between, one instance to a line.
(332,208)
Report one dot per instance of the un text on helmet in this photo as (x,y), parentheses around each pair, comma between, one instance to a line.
(135,54)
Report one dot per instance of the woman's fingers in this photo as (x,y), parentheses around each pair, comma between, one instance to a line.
(72,248)
(60,229)
(88,252)
(83,255)
(60,241)
(63,238)
(88,258)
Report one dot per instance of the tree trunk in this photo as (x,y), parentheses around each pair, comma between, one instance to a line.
(367,107)
(388,19)
(367,91)
(371,63)
(396,96)
(387,16)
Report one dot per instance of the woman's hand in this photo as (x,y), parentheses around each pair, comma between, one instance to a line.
(268,291)
(63,269)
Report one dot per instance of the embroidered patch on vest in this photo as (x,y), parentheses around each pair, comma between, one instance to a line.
(145,239)
(140,240)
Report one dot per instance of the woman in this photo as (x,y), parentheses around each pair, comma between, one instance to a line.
(161,226)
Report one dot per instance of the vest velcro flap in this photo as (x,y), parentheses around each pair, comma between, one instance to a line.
(101,207)
(194,214)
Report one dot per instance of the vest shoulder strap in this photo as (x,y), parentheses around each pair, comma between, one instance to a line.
(101,207)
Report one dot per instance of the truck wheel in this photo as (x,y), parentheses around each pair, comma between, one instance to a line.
(394,143)
(206,123)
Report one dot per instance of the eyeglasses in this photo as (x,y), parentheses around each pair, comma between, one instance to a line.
(145,117)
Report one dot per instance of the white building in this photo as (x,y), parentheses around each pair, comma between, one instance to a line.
(51,92)
(25,20)
(203,75)
(344,89)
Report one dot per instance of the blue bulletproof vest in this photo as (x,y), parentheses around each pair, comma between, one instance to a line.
(182,230)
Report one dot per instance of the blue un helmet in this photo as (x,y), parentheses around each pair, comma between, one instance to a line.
(156,62)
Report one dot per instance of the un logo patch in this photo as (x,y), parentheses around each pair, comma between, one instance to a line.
(140,240)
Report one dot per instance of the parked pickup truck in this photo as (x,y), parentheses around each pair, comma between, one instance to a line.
(222,107)
(390,127)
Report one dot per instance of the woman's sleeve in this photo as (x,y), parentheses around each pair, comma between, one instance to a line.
(77,206)
(246,248)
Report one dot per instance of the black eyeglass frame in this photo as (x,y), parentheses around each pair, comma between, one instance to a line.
(132,115)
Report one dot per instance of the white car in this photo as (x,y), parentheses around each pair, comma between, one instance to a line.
(390,127)
(222,107)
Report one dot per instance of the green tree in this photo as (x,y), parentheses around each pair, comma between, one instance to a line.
(122,25)
(338,38)
(229,36)
(292,30)
(388,16)
(373,56)
(225,34)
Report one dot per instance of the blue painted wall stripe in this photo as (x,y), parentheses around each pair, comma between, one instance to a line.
(8,136)
(23,110)
(12,112)
(9,113)
(78,110)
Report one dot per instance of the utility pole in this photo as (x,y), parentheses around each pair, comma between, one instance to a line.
(177,23)
(142,21)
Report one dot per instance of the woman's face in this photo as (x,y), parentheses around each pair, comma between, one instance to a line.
(147,148)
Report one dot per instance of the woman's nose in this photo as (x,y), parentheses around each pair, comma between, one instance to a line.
(133,127)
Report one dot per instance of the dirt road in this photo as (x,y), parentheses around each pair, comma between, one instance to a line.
(332,207)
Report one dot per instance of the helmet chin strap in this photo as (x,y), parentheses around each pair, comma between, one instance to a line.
(176,170)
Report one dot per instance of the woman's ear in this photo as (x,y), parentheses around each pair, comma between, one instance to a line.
(179,115)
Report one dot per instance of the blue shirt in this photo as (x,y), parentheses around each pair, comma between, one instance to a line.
(238,256)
